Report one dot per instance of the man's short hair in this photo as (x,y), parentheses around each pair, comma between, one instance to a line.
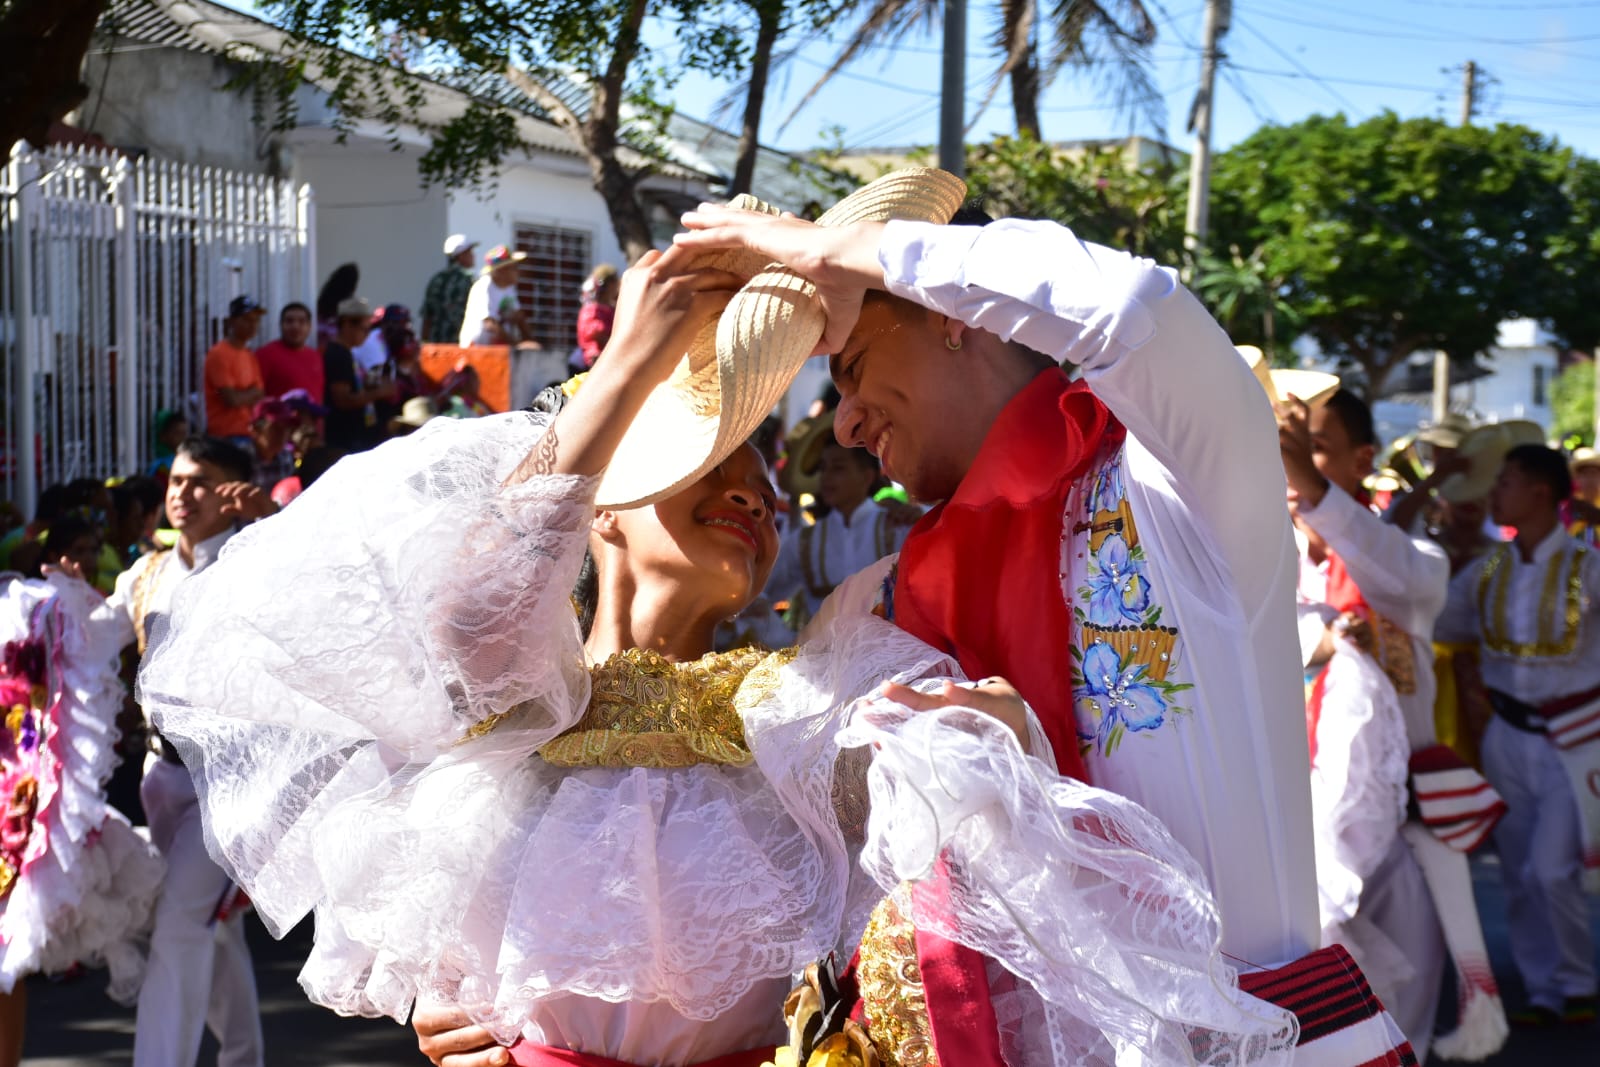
(1355,416)
(1545,466)
(234,461)
(293,305)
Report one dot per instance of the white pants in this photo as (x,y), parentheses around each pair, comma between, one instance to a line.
(1396,901)
(199,973)
(1541,862)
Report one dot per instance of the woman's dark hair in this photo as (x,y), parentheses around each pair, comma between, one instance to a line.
(586,591)
(145,491)
(315,463)
(1545,466)
(234,461)
(340,286)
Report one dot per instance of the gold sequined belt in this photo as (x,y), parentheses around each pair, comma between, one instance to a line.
(663,749)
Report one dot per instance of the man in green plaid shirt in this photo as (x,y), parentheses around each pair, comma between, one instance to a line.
(445,301)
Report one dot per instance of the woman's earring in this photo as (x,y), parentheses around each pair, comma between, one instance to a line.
(951,343)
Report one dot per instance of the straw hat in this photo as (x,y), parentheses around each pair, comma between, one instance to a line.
(1486,448)
(1447,432)
(1584,457)
(1312,386)
(740,365)
(803,444)
(1522,432)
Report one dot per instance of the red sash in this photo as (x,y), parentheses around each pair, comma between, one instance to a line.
(979,577)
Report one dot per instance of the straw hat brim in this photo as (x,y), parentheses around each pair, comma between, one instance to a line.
(1486,448)
(804,445)
(1279,383)
(742,363)
(1585,457)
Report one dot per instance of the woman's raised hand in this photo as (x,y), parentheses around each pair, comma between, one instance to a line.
(664,301)
(841,261)
(994,697)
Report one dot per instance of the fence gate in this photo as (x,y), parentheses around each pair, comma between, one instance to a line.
(115,277)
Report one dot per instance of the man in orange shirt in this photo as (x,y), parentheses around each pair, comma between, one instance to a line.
(232,376)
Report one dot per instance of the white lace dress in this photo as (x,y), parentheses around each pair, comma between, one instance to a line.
(362,686)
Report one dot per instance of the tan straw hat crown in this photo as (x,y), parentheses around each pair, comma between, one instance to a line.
(741,364)
(1313,387)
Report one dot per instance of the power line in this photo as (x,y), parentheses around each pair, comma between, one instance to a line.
(1293,62)
(1427,33)
(1412,88)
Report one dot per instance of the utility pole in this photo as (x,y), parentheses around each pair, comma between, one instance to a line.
(1197,217)
(953,93)
(1469,92)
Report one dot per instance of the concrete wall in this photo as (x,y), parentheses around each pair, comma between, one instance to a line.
(547,191)
(171,103)
(373,211)
(1509,392)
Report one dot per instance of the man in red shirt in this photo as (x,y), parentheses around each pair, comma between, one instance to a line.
(232,375)
(290,363)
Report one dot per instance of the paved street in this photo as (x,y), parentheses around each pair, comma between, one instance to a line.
(74,1025)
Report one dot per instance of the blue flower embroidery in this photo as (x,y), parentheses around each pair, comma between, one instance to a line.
(1107,495)
(1112,697)
(1118,592)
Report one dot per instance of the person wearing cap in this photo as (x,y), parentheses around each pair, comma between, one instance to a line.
(1533,606)
(1582,512)
(1118,547)
(269,435)
(493,314)
(444,302)
(352,392)
(1397,893)
(291,363)
(624,863)
(232,377)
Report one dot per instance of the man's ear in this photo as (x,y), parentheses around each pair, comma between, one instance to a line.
(604,526)
(954,331)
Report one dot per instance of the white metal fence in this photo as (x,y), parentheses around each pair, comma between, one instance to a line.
(115,276)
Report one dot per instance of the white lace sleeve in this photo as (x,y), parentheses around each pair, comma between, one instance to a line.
(402,600)
(1080,893)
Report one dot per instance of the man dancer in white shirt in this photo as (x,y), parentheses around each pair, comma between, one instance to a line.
(1534,604)
(1355,565)
(199,972)
(1132,575)
(854,534)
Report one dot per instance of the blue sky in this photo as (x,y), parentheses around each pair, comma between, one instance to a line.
(1285,60)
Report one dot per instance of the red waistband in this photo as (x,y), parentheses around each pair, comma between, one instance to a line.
(530,1055)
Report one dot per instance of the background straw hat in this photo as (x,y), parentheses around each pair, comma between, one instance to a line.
(741,364)
(1486,448)
(1312,386)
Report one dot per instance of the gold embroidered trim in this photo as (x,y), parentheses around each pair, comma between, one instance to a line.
(145,584)
(890,981)
(645,711)
(1495,629)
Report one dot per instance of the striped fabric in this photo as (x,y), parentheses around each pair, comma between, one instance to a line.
(1575,726)
(1454,801)
(1342,1023)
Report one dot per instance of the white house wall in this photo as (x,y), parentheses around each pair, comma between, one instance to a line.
(556,193)
(373,211)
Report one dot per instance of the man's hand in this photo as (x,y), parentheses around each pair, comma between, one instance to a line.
(245,502)
(450,1039)
(841,261)
(1357,629)
(1306,484)
(994,697)
(65,565)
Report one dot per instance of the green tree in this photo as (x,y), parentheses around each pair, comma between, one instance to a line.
(1095,193)
(1398,235)
(42,45)
(585,63)
(1572,404)
(1247,300)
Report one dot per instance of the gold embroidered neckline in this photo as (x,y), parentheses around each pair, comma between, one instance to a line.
(1496,630)
(646,711)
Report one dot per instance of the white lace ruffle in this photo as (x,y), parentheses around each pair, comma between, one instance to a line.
(1080,893)
(401,600)
(89,883)
(1358,780)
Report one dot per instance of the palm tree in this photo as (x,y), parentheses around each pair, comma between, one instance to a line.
(1109,38)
